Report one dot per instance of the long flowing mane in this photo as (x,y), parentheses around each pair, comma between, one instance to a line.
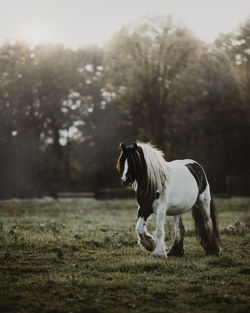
(157,171)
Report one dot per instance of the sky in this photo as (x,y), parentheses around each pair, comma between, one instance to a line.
(77,23)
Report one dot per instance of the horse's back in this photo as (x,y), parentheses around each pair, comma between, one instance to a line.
(182,187)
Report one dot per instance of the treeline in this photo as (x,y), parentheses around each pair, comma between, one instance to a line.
(64,112)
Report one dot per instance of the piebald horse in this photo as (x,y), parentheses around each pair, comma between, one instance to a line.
(168,188)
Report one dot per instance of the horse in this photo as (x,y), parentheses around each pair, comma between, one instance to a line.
(168,189)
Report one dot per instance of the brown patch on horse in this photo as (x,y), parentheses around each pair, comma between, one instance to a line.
(215,221)
(118,164)
(209,240)
(147,242)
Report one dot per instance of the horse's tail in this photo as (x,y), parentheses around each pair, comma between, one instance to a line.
(215,221)
(200,230)
(209,239)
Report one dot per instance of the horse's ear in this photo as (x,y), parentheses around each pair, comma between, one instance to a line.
(122,146)
(135,147)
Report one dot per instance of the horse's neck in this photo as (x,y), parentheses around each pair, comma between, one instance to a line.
(143,191)
(145,199)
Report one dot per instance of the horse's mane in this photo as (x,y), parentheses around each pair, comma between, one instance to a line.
(157,171)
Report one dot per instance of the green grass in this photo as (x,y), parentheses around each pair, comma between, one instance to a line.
(83,257)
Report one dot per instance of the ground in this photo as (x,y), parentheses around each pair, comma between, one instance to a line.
(82,256)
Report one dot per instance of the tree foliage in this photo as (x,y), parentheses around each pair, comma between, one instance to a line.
(63,112)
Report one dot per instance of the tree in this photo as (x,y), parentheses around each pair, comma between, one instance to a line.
(236,44)
(19,141)
(143,62)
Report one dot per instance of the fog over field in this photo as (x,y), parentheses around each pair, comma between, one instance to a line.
(78,23)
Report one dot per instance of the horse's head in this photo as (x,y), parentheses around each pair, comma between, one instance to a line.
(130,164)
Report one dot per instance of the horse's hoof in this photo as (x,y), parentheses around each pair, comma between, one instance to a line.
(177,253)
(213,251)
(158,255)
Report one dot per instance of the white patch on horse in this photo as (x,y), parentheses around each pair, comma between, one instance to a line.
(140,226)
(205,199)
(177,227)
(160,210)
(125,170)
(182,188)
(135,185)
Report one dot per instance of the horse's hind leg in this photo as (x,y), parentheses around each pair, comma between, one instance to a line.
(177,248)
(206,223)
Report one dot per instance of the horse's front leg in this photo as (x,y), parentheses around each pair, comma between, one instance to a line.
(144,238)
(160,210)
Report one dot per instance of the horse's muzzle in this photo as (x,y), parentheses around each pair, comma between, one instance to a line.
(126,183)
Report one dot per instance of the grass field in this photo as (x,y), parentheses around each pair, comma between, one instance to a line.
(82,256)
